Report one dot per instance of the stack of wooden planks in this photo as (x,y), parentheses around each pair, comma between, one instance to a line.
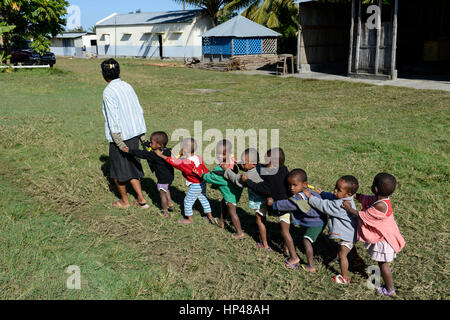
(252,62)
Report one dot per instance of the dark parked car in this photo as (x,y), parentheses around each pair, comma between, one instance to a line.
(26,55)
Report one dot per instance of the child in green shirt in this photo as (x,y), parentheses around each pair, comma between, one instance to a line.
(231,193)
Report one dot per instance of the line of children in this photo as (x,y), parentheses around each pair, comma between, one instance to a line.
(273,189)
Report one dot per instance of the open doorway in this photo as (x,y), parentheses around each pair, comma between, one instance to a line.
(160,40)
(324,37)
(94,49)
(423,49)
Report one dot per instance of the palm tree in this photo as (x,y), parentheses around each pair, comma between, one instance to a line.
(280,15)
(271,13)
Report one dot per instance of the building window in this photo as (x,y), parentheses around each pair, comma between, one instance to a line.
(66,43)
(106,39)
(126,37)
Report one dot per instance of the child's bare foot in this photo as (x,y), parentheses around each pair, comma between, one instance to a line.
(120,204)
(239,236)
(291,264)
(221,223)
(165,214)
(141,205)
(263,246)
(186,221)
(308,268)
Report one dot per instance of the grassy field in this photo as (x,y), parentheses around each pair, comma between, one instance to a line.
(55,194)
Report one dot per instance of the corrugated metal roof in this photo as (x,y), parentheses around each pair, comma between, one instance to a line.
(180,16)
(240,27)
(70,35)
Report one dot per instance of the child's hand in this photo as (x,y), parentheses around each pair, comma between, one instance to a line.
(225,166)
(197,172)
(307,193)
(126,149)
(158,153)
(244,177)
(347,205)
(269,202)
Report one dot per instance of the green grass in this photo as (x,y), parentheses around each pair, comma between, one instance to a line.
(55,194)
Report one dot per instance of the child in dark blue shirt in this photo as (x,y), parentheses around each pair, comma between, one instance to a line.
(297,210)
(164,172)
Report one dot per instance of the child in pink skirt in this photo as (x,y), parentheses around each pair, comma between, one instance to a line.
(377,227)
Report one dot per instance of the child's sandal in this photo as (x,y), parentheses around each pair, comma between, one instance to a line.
(340,279)
(383,291)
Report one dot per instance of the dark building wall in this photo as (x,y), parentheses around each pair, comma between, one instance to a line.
(325,36)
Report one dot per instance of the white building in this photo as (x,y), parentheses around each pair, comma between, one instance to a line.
(67,44)
(171,34)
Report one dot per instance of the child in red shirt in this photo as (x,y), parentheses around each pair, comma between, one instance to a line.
(197,187)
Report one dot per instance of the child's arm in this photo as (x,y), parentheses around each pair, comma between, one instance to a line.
(233,177)
(213,178)
(160,154)
(366,201)
(329,207)
(143,154)
(284,205)
(179,164)
(326,195)
(262,188)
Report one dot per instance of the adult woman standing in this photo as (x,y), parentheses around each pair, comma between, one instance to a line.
(124,127)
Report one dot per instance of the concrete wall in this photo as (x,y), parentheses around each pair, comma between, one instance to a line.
(87,42)
(178,39)
(59,50)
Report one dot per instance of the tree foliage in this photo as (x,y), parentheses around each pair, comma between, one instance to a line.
(279,15)
(33,19)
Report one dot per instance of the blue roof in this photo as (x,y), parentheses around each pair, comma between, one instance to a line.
(180,16)
(240,27)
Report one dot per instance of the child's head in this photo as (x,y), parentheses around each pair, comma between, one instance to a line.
(188,146)
(224,149)
(297,181)
(158,139)
(384,184)
(110,70)
(250,158)
(346,187)
(275,157)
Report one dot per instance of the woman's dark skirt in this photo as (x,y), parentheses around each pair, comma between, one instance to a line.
(123,166)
